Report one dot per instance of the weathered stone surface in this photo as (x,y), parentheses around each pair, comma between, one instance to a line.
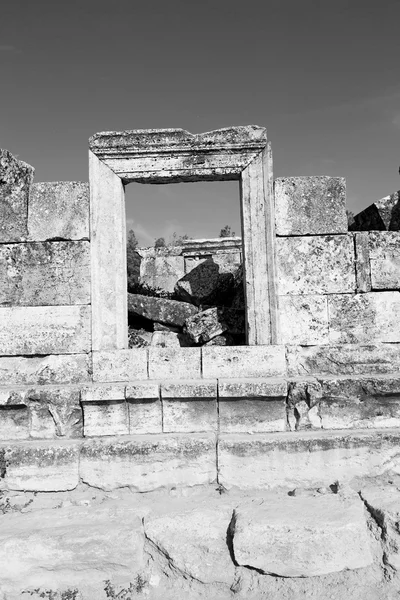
(165,339)
(205,284)
(210,323)
(252,405)
(55,412)
(44,329)
(310,205)
(194,540)
(343,359)
(39,466)
(302,404)
(149,462)
(103,391)
(303,320)
(363,266)
(14,422)
(174,363)
(68,548)
(58,210)
(189,406)
(160,270)
(15,180)
(316,265)
(108,417)
(328,533)
(162,310)
(45,273)
(364,318)
(21,370)
(120,365)
(384,254)
(225,339)
(243,361)
(306,459)
(144,407)
(382,215)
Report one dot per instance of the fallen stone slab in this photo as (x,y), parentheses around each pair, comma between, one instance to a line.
(162,310)
(205,284)
(210,323)
(295,536)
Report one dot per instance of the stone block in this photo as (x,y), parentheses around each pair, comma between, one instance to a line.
(243,361)
(162,271)
(303,320)
(147,463)
(144,406)
(15,179)
(54,412)
(305,459)
(45,273)
(174,363)
(315,265)
(67,368)
(384,252)
(58,210)
(344,359)
(44,329)
(364,318)
(162,310)
(44,466)
(103,391)
(331,527)
(363,264)
(205,284)
(302,404)
(189,406)
(165,339)
(382,215)
(108,417)
(14,422)
(212,322)
(310,205)
(252,405)
(120,365)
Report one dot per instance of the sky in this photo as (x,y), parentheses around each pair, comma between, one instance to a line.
(322,76)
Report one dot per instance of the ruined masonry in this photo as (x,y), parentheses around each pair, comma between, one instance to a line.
(312,399)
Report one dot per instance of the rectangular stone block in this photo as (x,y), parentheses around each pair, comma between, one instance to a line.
(58,210)
(363,266)
(44,330)
(144,407)
(252,405)
(316,265)
(46,466)
(305,459)
(149,462)
(310,205)
(243,361)
(189,406)
(364,318)
(174,363)
(303,320)
(14,422)
(344,359)
(15,179)
(120,365)
(67,368)
(384,250)
(45,273)
(54,412)
(105,418)
(103,391)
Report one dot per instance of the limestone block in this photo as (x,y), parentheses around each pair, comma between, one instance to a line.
(55,412)
(14,422)
(44,329)
(67,368)
(316,265)
(243,361)
(44,466)
(103,391)
(343,359)
(162,310)
(303,320)
(45,273)
(189,406)
(120,365)
(306,459)
(209,323)
(58,210)
(165,339)
(162,271)
(252,405)
(310,205)
(382,215)
(384,251)
(194,539)
(205,284)
(364,318)
(363,263)
(174,363)
(358,402)
(108,417)
(144,406)
(149,462)
(15,180)
(332,528)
